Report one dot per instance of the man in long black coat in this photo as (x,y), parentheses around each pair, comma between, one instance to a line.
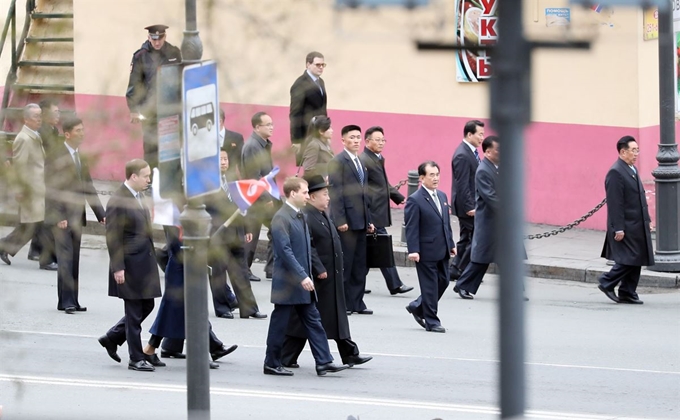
(327,272)
(133,273)
(628,241)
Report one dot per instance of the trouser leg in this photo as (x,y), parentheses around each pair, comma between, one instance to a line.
(292,348)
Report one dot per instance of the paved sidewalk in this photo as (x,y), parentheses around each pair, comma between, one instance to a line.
(573,255)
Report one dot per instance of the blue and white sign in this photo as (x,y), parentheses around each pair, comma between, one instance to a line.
(201,157)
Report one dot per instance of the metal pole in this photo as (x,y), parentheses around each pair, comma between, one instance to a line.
(412,185)
(196,224)
(510,98)
(667,174)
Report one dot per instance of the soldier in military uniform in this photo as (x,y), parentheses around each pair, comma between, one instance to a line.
(141,91)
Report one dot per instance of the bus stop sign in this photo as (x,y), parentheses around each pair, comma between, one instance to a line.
(201,157)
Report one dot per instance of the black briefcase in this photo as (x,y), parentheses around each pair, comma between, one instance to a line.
(379,253)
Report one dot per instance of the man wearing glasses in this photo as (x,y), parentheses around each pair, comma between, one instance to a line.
(628,241)
(307,99)
(141,91)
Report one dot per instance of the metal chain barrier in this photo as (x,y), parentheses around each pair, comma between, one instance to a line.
(570,225)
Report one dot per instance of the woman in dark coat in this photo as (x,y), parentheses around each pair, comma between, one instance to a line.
(317,150)
(328,276)
(169,323)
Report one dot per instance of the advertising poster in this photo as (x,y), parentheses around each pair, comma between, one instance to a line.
(557,16)
(650,24)
(476,24)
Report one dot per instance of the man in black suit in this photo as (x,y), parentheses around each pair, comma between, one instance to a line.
(628,241)
(308,98)
(464,166)
(483,242)
(380,192)
(69,188)
(227,252)
(430,243)
(232,142)
(256,163)
(328,282)
(292,287)
(133,274)
(350,212)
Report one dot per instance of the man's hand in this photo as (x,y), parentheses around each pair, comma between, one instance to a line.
(453,251)
(249,237)
(323,275)
(619,236)
(371,228)
(414,256)
(103,222)
(343,228)
(308,284)
(134,118)
(63,224)
(119,276)
(651,229)
(471,213)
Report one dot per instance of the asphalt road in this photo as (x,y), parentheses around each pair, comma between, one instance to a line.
(587,358)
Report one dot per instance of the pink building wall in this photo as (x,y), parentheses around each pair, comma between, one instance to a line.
(565,163)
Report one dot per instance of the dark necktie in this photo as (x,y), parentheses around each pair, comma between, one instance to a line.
(76,159)
(360,171)
(436,202)
(316,82)
(139,200)
(477,156)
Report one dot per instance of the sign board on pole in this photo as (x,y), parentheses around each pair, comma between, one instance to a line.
(201,151)
(169,109)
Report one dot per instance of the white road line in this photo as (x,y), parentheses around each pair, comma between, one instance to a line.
(377,402)
(407,356)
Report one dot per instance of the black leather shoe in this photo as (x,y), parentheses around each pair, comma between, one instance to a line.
(277,371)
(257,315)
(70,310)
(464,294)
(81,308)
(154,360)
(418,319)
(110,347)
(357,360)
(329,368)
(172,355)
(291,366)
(218,354)
(437,329)
(401,289)
(629,299)
(33,257)
(365,312)
(214,365)
(367,291)
(5,258)
(609,293)
(349,313)
(141,366)
(253,277)
(227,315)
(50,267)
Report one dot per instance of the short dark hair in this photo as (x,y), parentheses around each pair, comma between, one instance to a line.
(422,166)
(372,130)
(134,167)
(70,122)
(221,115)
(471,127)
(312,55)
(292,183)
(623,143)
(488,142)
(257,118)
(46,104)
(318,123)
(224,149)
(346,129)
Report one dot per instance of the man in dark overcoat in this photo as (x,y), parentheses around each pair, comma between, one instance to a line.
(628,241)
(292,288)
(380,192)
(133,271)
(327,273)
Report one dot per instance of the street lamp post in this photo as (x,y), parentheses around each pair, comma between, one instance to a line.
(667,174)
(195,222)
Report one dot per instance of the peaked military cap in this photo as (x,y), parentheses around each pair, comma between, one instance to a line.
(156,31)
